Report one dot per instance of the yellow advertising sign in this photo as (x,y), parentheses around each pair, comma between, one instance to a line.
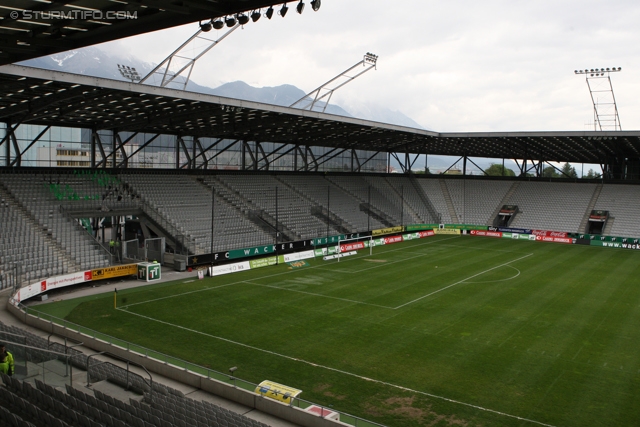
(446,231)
(277,391)
(389,230)
(116,271)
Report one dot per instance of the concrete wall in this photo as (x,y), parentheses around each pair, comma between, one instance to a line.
(244,397)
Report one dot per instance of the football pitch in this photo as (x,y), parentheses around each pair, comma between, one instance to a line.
(447,330)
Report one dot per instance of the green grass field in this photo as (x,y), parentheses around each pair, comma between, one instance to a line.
(442,331)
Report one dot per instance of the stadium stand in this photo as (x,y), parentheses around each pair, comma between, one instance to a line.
(38,231)
(33,402)
(417,204)
(325,193)
(41,229)
(433,190)
(21,244)
(551,205)
(622,203)
(294,209)
(186,204)
(475,201)
(384,212)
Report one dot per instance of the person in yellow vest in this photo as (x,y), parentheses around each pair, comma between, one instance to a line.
(6,361)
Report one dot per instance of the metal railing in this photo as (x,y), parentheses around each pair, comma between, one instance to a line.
(170,226)
(189,367)
(67,359)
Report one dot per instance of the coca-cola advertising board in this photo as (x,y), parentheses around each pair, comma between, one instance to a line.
(547,233)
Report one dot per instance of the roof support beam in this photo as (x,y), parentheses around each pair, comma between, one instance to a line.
(31,144)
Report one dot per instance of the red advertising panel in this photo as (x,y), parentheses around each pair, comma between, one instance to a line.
(546,233)
(347,247)
(43,286)
(486,233)
(424,234)
(392,239)
(554,239)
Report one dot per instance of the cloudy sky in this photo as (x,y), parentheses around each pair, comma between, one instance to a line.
(456,65)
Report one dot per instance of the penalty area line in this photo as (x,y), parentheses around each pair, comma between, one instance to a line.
(351,374)
(316,295)
(461,281)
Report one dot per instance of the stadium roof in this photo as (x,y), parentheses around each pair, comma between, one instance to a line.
(43,97)
(34,28)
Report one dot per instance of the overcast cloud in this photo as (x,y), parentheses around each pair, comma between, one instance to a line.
(450,65)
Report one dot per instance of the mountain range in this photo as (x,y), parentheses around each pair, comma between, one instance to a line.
(93,61)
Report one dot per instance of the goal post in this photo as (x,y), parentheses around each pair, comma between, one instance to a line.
(354,244)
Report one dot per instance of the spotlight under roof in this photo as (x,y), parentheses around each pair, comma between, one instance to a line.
(315,5)
(218,24)
(230,21)
(206,27)
(243,19)
(283,10)
(255,15)
(269,13)
(300,7)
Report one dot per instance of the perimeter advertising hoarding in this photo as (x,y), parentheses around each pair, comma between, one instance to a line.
(116,271)
(615,245)
(420,227)
(518,236)
(618,239)
(392,239)
(297,256)
(390,230)
(510,230)
(418,235)
(229,268)
(270,249)
(52,283)
(263,262)
(567,240)
(547,233)
(446,231)
(467,227)
(353,246)
(486,233)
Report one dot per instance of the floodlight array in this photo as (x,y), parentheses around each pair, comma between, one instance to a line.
(597,72)
(255,15)
(129,73)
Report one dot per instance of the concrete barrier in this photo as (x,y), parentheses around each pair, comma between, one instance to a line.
(210,385)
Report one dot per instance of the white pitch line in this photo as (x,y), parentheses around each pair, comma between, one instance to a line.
(481,248)
(461,281)
(502,280)
(386,264)
(317,295)
(176,295)
(319,267)
(434,396)
(395,262)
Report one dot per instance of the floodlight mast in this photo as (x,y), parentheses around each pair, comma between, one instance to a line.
(605,114)
(309,101)
(180,64)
